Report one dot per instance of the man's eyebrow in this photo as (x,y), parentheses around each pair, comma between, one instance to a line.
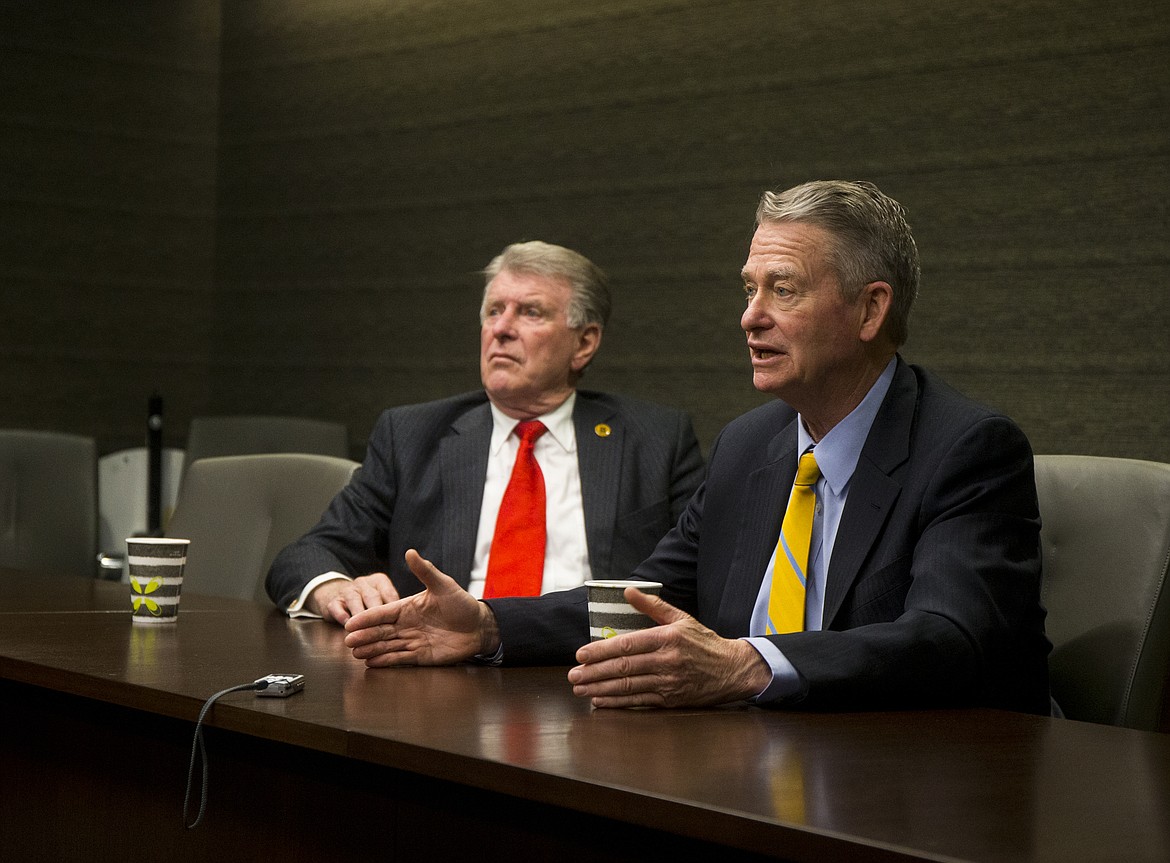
(772,275)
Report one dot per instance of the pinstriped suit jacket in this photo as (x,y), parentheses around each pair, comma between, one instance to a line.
(421,486)
(933,589)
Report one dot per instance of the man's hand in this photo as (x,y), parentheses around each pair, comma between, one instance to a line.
(440,626)
(339,600)
(678,664)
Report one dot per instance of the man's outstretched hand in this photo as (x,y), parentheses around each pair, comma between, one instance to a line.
(442,625)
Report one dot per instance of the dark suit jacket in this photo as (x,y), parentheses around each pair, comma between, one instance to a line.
(421,486)
(933,587)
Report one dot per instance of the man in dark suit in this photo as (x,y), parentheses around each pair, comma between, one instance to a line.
(920,584)
(614,473)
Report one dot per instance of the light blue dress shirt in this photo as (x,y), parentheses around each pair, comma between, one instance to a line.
(837,455)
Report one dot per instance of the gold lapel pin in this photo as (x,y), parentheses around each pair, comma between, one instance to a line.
(602,430)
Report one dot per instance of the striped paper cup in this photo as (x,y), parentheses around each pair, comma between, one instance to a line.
(610,614)
(156,577)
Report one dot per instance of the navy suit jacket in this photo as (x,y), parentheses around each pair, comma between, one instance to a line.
(421,486)
(933,588)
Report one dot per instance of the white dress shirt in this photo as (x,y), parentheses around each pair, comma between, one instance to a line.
(566,555)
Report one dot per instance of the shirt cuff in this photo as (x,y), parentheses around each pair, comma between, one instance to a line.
(496,659)
(786,680)
(297,607)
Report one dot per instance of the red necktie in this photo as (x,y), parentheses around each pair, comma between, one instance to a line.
(516,560)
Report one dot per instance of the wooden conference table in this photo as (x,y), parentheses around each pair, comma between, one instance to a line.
(485,763)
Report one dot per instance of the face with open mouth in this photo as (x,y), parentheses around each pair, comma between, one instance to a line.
(803,336)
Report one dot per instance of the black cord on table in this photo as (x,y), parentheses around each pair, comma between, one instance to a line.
(197,746)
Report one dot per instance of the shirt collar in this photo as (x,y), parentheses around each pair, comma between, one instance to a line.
(839,450)
(558,421)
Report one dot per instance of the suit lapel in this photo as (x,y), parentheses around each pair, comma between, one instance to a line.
(464,458)
(872,490)
(766,491)
(600,444)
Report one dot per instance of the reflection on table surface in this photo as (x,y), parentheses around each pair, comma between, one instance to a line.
(967,783)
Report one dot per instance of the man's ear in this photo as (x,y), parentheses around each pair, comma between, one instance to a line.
(876,300)
(588,343)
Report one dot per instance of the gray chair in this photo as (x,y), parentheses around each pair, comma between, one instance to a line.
(1106,546)
(239,511)
(209,437)
(48,502)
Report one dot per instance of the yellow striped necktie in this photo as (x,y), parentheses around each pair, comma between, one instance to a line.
(786,599)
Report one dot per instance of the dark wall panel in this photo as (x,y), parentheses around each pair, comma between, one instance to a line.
(374,156)
(315,184)
(107,207)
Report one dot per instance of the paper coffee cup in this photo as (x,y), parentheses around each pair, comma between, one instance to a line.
(156,566)
(610,614)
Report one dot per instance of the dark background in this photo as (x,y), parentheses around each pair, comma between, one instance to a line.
(280,207)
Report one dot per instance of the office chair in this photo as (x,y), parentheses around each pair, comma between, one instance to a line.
(48,502)
(1106,547)
(239,511)
(209,437)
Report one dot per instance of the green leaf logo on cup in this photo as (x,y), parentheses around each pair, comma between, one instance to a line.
(609,613)
(156,577)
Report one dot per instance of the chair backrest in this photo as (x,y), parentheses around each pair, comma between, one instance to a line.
(240,511)
(1106,546)
(123,482)
(48,502)
(209,437)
